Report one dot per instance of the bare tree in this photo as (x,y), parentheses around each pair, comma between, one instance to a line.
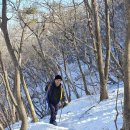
(108,45)
(126,125)
(33,113)
(22,111)
(100,63)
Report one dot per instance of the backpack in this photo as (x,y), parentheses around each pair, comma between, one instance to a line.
(47,85)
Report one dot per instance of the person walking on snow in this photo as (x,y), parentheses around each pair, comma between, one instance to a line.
(55,94)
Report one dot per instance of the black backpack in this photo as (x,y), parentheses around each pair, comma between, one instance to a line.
(47,85)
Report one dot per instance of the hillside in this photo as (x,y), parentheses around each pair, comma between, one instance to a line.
(85,113)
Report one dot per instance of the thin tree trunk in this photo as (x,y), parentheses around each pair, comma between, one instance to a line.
(33,113)
(81,71)
(13,113)
(90,23)
(77,54)
(68,84)
(83,77)
(22,111)
(10,111)
(126,117)
(6,117)
(1,127)
(70,80)
(32,109)
(108,45)
(8,88)
(23,114)
(65,67)
(6,82)
(103,89)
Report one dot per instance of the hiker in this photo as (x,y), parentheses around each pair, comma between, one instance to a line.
(55,94)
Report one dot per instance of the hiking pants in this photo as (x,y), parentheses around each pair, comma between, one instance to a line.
(53,109)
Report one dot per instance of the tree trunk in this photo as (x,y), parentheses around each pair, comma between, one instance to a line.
(90,22)
(103,89)
(126,125)
(81,71)
(70,80)
(65,67)
(1,127)
(13,114)
(33,113)
(22,112)
(6,82)
(8,88)
(108,45)
(32,109)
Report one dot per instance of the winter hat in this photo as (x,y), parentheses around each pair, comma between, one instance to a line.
(58,77)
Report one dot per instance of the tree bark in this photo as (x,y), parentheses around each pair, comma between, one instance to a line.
(65,67)
(1,127)
(32,109)
(126,117)
(103,89)
(70,80)
(68,84)
(108,45)
(6,82)
(33,113)
(22,112)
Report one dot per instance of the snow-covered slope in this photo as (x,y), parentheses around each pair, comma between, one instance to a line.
(86,113)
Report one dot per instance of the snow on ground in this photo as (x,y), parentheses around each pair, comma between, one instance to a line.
(86,113)
(38,126)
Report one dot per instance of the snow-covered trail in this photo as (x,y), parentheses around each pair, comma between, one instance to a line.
(86,113)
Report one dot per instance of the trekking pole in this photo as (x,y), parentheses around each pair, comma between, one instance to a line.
(61,112)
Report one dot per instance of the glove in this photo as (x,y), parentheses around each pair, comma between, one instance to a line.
(65,103)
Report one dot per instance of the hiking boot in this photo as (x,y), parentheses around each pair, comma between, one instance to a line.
(55,123)
(51,122)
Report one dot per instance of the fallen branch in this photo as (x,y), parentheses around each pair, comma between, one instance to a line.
(89,110)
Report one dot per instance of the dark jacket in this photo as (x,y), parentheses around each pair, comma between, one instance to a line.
(54,94)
